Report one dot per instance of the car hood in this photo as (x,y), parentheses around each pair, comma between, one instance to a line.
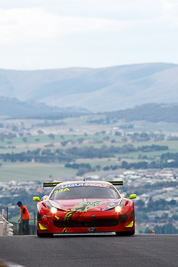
(89,204)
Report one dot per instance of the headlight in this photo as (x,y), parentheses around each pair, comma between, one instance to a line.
(118,209)
(52,206)
(53,210)
(120,206)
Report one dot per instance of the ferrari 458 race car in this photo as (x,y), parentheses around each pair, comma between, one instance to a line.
(85,207)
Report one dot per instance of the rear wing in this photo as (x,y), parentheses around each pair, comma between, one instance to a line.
(50,184)
(116,182)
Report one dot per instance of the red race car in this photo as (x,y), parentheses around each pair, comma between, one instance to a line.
(85,207)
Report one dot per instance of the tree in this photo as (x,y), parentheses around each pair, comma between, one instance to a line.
(125,165)
(172,202)
(98,167)
(40,132)
(64,143)
(80,140)
(140,203)
(106,168)
(164,216)
(118,133)
(52,136)
(147,230)
(150,203)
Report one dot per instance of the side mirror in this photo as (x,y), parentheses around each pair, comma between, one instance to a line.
(44,198)
(132,196)
(36,199)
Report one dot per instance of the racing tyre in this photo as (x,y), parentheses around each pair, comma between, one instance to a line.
(125,233)
(44,235)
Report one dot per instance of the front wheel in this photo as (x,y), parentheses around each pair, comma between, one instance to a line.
(128,233)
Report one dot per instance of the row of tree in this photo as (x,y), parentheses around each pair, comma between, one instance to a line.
(47,155)
(149,165)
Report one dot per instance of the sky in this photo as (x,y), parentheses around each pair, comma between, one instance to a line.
(55,34)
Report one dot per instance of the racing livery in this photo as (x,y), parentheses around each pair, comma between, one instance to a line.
(85,207)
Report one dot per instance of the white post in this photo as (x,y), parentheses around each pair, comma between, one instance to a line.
(1,228)
(2,213)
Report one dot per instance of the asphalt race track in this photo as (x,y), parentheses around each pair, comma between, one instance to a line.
(88,251)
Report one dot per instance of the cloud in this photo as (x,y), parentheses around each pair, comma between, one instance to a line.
(170,11)
(87,32)
(23,24)
(128,9)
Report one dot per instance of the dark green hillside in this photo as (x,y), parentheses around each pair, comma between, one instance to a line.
(12,107)
(148,112)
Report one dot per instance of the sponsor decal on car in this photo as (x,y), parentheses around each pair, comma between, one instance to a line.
(61,190)
(83,207)
(64,230)
(83,184)
(111,205)
(71,185)
(97,184)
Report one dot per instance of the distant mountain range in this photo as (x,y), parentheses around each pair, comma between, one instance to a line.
(97,90)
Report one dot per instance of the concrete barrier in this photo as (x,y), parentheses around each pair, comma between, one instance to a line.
(6,228)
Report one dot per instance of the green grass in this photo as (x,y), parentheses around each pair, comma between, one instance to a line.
(33,171)
(37,171)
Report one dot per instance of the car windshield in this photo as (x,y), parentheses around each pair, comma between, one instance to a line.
(77,192)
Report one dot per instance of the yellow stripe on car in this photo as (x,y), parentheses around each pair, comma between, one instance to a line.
(42,227)
(130,224)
